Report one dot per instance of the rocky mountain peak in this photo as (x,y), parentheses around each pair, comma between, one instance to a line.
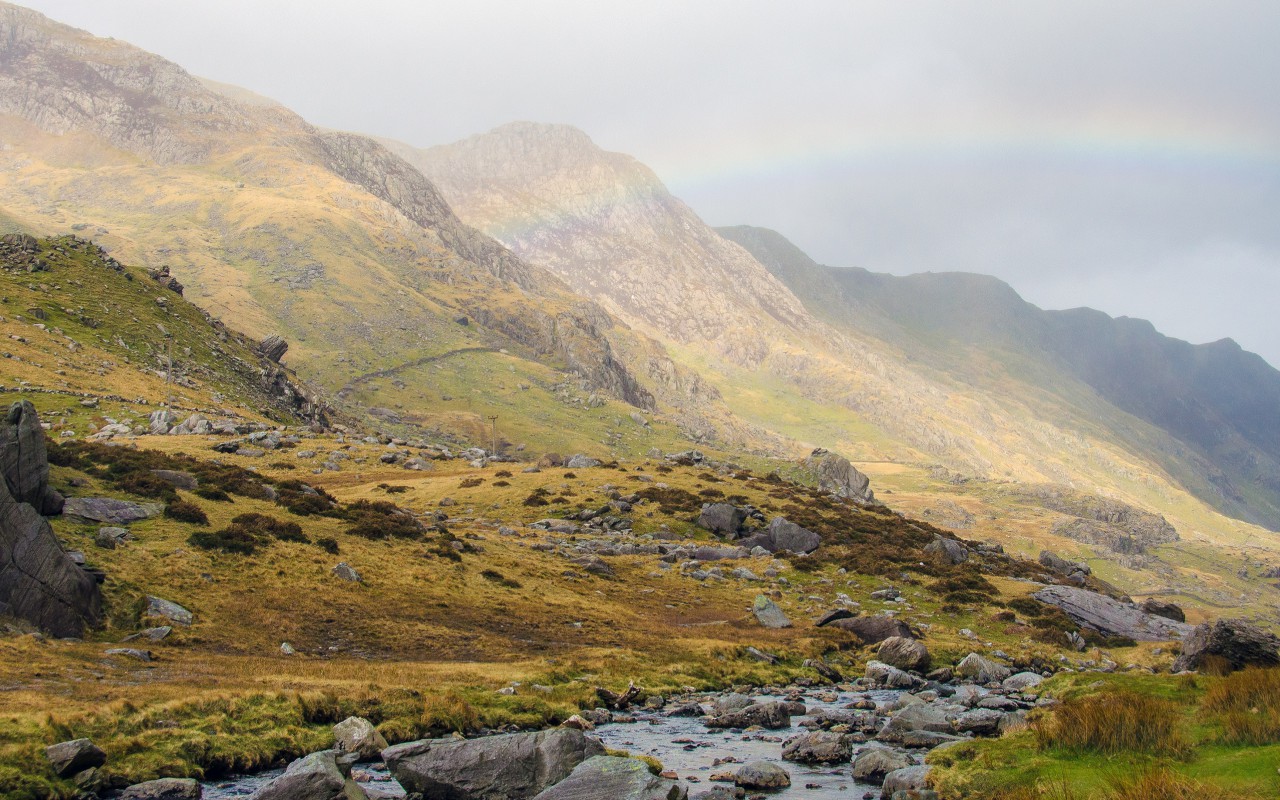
(606,225)
(63,79)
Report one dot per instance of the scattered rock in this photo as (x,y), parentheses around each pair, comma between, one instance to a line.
(169,610)
(874,762)
(762,775)
(786,536)
(164,789)
(888,676)
(722,519)
(176,478)
(109,510)
(949,550)
(580,461)
(904,653)
(130,652)
(905,780)
(314,777)
(979,669)
(772,716)
(345,572)
(616,779)
(1021,681)
(357,736)
(769,614)
(507,765)
(873,629)
(110,538)
(817,747)
(68,758)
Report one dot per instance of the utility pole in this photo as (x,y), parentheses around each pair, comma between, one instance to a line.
(493,420)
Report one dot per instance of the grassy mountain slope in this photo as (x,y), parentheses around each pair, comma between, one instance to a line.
(1213,400)
(325,238)
(100,340)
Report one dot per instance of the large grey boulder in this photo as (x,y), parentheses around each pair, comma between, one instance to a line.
(773,716)
(872,629)
(1111,617)
(357,735)
(24,460)
(167,610)
(931,717)
(164,789)
(39,582)
(314,777)
(1233,642)
(512,765)
(616,779)
(837,476)
(109,510)
(768,613)
(77,755)
(980,669)
(762,775)
(904,780)
(888,676)
(817,747)
(722,519)
(874,762)
(786,536)
(904,653)
(581,461)
(949,550)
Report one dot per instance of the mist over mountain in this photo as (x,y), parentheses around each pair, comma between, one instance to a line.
(1215,398)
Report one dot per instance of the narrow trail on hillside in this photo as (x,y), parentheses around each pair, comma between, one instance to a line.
(388,372)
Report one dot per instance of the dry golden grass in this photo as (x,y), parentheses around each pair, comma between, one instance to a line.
(1248,704)
(1113,723)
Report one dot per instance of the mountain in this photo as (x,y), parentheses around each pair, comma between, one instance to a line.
(1215,399)
(325,238)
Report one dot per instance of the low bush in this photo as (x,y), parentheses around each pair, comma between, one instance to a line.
(184,511)
(227,540)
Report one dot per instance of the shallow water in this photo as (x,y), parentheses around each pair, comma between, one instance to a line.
(682,744)
(664,739)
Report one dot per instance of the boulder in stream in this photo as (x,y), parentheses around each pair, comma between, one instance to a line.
(614,778)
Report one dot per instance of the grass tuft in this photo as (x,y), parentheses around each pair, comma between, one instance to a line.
(1114,722)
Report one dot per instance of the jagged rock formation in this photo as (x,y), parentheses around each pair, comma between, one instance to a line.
(836,475)
(38,581)
(1103,521)
(24,460)
(1233,642)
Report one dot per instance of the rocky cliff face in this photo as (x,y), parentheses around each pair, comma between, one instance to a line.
(606,225)
(66,80)
(38,581)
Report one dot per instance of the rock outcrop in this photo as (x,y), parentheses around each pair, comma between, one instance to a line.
(24,460)
(38,580)
(1111,617)
(837,476)
(1232,642)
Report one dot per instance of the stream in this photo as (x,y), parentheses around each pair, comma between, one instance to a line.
(683,744)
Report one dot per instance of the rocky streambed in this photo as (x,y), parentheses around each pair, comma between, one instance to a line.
(850,741)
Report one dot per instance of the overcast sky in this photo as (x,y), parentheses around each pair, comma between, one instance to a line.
(1121,155)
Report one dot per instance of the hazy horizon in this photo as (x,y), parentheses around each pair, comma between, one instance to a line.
(1123,157)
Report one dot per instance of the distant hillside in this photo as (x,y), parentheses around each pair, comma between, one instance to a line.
(1218,400)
